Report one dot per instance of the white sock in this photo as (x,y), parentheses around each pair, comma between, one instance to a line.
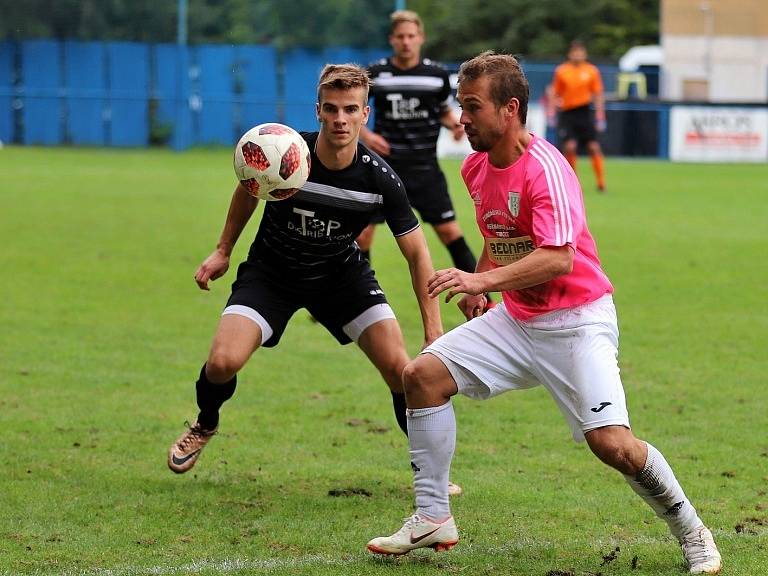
(657,485)
(432,436)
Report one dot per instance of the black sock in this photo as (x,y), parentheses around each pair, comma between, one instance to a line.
(462,256)
(210,397)
(398,403)
(366,254)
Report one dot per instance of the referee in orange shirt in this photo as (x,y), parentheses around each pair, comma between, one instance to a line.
(575,87)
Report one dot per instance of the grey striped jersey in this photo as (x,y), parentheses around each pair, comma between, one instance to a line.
(407,107)
(311,235)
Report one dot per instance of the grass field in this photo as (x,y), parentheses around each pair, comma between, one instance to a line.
(104,330)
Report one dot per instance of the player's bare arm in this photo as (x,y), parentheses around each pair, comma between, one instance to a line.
(216,265)
(449,120)
(541,265)
(414,248)
(600,111)
(473,305)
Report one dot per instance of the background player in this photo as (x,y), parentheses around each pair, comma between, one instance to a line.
(557,327)
(411,101)
(305,256)
(576,86)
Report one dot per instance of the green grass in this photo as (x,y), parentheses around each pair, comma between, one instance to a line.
(103,332)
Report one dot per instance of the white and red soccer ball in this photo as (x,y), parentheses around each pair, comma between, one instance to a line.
(272,161)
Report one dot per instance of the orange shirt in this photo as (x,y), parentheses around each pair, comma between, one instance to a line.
(575,85)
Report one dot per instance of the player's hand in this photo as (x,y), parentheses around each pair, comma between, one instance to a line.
(472,306)
(457,131)
(454,281)
(378,144)
(601,125)
(213,267)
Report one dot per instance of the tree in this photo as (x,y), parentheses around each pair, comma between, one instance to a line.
(455,30)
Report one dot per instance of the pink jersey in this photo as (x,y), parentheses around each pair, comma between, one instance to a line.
(536,202)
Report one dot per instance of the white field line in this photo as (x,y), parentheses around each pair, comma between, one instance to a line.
(235,565)
(227,566)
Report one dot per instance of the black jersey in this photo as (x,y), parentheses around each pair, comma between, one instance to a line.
(408,105)
(311,235)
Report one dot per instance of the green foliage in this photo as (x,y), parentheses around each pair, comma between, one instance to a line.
(104,332)
(455,30)
(537,29)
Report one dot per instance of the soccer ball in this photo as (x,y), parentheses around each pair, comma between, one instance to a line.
(272,161)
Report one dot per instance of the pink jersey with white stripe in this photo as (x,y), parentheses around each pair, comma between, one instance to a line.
(536,202)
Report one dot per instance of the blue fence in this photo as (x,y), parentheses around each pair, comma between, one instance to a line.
(134,94)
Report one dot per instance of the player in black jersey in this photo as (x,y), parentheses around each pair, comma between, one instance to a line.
(410,99)
(305,256)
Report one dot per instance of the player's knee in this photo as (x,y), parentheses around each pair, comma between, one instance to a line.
(617,450)
(222,365)
(414,376)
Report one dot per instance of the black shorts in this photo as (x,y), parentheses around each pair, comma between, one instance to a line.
(427,192)
(333,302)
(577,124)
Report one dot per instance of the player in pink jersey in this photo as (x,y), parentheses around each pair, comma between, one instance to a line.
(557,327)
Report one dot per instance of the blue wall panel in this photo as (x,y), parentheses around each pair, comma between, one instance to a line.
(300,86)
(216,84)
(255,76)
(171,88)
(129,91)
(84,79)
(7,54)
(303,70)
(41,78)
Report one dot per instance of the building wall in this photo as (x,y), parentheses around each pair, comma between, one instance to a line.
(715,50)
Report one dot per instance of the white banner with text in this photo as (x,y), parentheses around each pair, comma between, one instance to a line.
(718,134)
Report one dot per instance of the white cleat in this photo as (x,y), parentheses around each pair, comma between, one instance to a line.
(454,489)
(701,552)
(417,532)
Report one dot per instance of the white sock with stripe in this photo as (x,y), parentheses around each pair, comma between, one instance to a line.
(432,437)
(657,485)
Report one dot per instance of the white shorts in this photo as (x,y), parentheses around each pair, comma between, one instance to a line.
(572,353)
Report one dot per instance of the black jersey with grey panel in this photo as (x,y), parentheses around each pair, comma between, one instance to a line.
(311,235)
(408,105)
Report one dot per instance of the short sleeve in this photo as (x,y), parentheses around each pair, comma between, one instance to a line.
(557,206)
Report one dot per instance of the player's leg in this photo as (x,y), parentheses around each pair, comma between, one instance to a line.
(382,342)
(567,136)
(587,387)
(235,340)
(649,474)
(452,237)
(449,365)
(432,439)
(598,163)
(256,314)
(570,151)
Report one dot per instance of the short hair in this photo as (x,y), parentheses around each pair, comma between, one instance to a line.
(343,77)
(399,16)
(507,79)
(576,44)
